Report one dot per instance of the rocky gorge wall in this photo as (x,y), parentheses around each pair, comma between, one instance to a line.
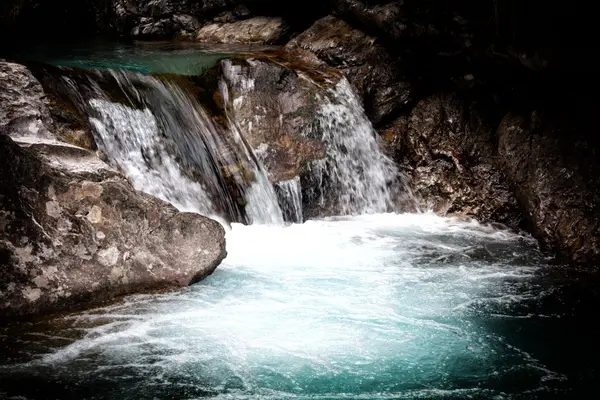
(486,105)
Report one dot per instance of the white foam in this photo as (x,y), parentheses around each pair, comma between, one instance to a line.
(379,298)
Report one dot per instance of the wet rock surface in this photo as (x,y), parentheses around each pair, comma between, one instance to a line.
(258,30)
(22,108)
(448,150)
(274,107)
(377,77)
(554,171)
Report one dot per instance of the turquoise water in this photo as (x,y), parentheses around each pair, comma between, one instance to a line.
(176,58)
(372,307)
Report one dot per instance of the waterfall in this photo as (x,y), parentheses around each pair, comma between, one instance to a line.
(132,140)
(356,177)
(167,145)
(264,206)
(289,194)
(155,130)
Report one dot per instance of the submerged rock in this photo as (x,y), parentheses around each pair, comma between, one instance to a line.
(376,76)
(259,30)
(553,169)
(447,148)
(74,232)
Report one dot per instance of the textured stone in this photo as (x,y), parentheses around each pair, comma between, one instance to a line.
(72,243)
(447,149)
(22,108)
(377,77)
(274,107)
(261,30)
(554,171)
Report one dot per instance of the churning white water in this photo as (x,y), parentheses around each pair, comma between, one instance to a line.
(358,175)
(378,306)
(130,138)
(289,194)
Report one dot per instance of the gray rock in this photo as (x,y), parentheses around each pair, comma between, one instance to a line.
(226,17)
(274,108)
(119,17)
(187,23)
(259,30)
(22,108)
(376,76)
(155,30)
(74,232)
(447,149)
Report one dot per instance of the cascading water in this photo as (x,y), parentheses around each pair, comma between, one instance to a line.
(289,193)
(356,177)
(132,140)
(165,143)
(261,189)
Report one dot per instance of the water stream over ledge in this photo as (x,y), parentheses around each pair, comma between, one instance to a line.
(374,307)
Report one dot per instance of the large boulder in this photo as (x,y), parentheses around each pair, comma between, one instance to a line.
(376,75)
(274,107)
(447,148)
(553,167)
(73,231)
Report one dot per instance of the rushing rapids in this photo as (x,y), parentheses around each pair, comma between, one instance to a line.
(369,305)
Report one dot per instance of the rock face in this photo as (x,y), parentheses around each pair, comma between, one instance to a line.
(377,77)
(386,18)
(274,107)
(180,26)
(257,30)
(555,174)
(74,232)
(22,108)
(447,148)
